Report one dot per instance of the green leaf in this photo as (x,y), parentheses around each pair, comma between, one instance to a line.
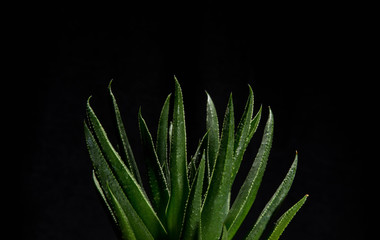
(127,150)
(170,139)
(254,124)
(177,166)
(157,180)
(273,203)
(248,191)
(106,179)
(122,219)
(162,139)
(97,185)
(285,219)
(200,229)
(212,127)
(194,203)
(219,188)
(195,159)
(242,133)
(125,178)
(225,233)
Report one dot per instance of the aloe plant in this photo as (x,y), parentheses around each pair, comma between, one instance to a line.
(187,197)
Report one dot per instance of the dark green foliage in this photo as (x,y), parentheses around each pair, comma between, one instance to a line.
(188,196)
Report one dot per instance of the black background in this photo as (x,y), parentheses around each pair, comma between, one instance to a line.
(300,59)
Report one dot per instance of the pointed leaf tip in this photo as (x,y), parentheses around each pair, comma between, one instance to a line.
(208,96)
(273,203)
(177,166)
(139,111)
(109,84)
(176,80)
(286,218)
(250,88)
(88,100)
(248,191)
(214,209)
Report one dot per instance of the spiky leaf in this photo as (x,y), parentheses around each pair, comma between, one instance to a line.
(202,211)
(194,203)
(273,203)
(195,159)
(217,194)
(97,185)
(248,191)
(127,152)
(178,167)
(254,124)
(107,179)
(212,126)
(285,219)
(242,133)
(162,139)
(158,185)
(125,178)
(122,219)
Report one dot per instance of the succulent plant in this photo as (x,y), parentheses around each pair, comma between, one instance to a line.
(186,197)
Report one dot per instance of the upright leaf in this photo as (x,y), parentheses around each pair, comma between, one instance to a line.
(285,219)
(224,233)
(157,180)
(127,150)
(178,167)
(217,195)
(127,182)
(122,219)
(254,124)
(273,203)
(194,203)
(212,126)
(170,140)
(162,138)
(248,191)
(195,159)
(242,133)
(97,185)
(107,179)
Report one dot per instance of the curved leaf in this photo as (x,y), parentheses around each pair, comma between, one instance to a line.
(285,219)
(201,211)
(127,150)
(195,160)
(127,182)
(254,124)
(97,185)
(157,180)
(273,203)
(194,203)
(242,133)
(107,179)
(212,127)
(248,191)
(122,219)
(162,139)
